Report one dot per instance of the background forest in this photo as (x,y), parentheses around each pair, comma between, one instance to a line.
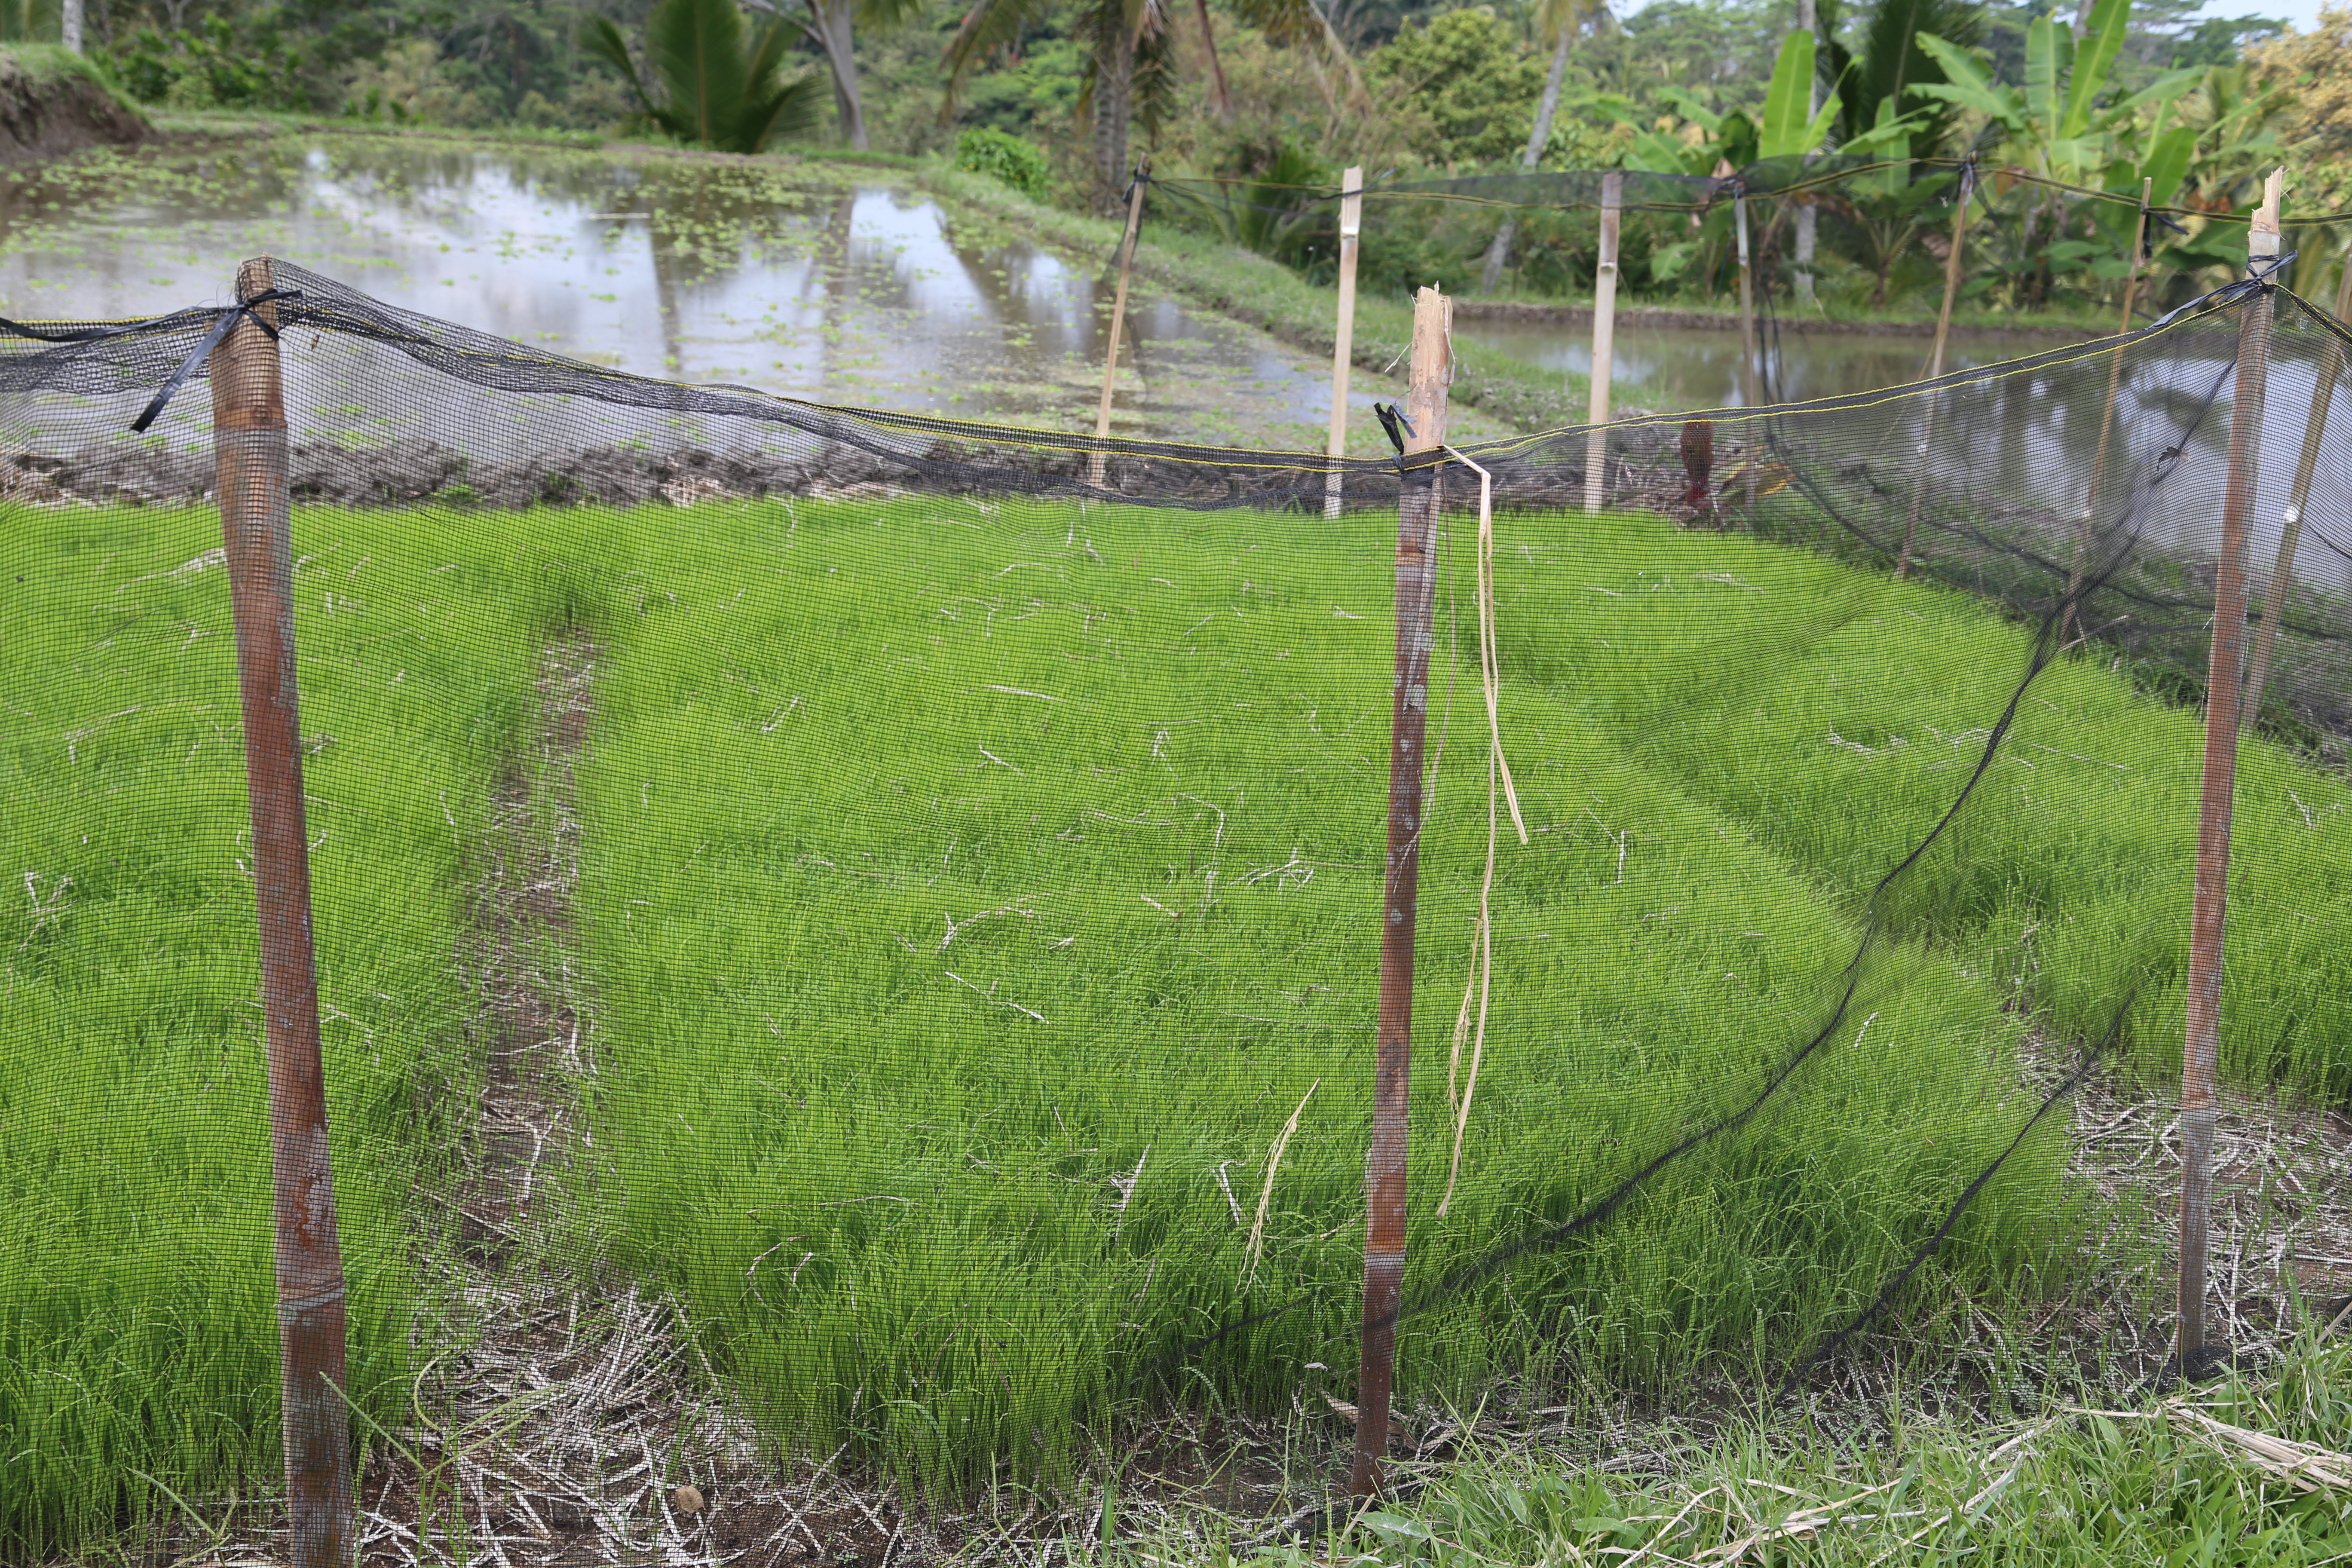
(1273,97)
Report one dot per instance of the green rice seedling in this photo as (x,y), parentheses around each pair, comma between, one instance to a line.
(971,896)
(137,1318)
(1836,714)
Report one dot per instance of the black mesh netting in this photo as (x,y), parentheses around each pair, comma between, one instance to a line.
(847,943)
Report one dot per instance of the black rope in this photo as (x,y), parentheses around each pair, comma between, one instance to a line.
(2066,1085)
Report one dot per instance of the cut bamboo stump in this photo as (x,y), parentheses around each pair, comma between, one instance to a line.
(1384,1162)
(1119,311)
(1751,459)
(1604,342)
(1351,223)
(2281,585)
(249,444)
(2106,422)
(2201,1051)
(1935,364)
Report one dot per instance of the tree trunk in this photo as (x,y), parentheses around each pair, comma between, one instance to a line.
(1219,98)
(70,24)
(1499,253)
(834,30)
(1808,215)
(1114,82)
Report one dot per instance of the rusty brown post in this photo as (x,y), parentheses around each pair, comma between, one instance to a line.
(1384,1162)
(2106,420)
(249,444)
(2281,587)
(2200,1052)
(1936,362)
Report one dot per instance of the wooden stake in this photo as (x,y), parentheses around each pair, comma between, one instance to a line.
(1351,224)
(1935,362)
(249,444)
(2107,419)
(2281,587)
(1118,310)
(1384,1162)
(1750,458)
(2200,1052)
(1604,342)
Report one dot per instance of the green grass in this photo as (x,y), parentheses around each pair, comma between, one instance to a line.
(138,1332)
(882,1170)
(882,1173)
(1834,714)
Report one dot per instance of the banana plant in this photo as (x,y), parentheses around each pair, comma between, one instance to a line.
(1789,129)
(2055,127)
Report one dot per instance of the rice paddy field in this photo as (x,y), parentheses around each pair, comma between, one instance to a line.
(974,936)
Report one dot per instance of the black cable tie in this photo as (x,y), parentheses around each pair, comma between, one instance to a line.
(230,316)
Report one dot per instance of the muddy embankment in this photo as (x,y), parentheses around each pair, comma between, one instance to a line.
(52,105)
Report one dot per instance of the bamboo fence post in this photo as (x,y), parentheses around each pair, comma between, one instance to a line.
(1384,1162)
(1351,224)
(2201,1051)
(1119,310)
(1604,341)
(1748,395)
(1936,358)
(2281,587)
(2107,418)
(251,452)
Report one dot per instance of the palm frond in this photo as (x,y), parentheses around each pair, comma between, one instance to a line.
(988,26)
(697,51)
(781,110)
(602,41)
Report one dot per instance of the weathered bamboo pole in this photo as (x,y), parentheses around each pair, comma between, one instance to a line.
(249,444)
(1384,1162)
(1351,226)
(2106,420)
(1750,458)
(2281,587)
(1119,310)
(2200,1052)
(1604,342)
(1936,362)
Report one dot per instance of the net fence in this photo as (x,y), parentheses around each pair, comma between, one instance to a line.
(847,943)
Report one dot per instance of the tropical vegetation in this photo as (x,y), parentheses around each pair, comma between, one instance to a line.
(1270,99)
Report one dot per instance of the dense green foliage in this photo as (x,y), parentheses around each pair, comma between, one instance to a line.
(984,150)
(1236,88)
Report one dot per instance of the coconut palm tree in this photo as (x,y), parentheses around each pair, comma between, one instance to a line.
(1560,20)
(1118,35)
(1129,67)
(720,86)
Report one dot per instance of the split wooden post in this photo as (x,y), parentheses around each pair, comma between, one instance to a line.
(2281,587)
(1351,224)
(1119,310)
(249,444)
(1749,392)
(2107,419)
(2200,1052)
(1604,342)
(1384,1162)
(1936,358)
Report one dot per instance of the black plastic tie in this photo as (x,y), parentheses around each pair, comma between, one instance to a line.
(230,315)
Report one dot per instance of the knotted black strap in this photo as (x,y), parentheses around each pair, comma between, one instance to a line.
(229,316)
